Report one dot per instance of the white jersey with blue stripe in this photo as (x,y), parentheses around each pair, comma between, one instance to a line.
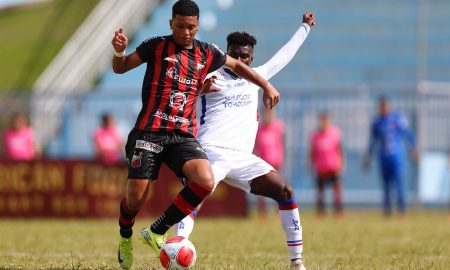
(229,116)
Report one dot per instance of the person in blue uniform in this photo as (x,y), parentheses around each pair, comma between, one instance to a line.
(389,135)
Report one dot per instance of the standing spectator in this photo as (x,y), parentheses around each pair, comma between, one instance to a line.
(108,141)
(269,146)
(19,140)
(388,130)
(327,159)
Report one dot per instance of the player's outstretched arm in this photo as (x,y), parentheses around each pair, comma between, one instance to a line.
(288,51)
(122,63)
(270,96)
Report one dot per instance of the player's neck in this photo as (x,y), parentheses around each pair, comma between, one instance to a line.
(229,71)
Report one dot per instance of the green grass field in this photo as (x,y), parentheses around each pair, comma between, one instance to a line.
(361,240)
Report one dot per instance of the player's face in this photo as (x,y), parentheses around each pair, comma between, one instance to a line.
(241,53)
(323,121)
(184,29)
(384,107)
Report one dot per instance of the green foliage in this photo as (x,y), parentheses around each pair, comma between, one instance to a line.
(33,35)
(361,240)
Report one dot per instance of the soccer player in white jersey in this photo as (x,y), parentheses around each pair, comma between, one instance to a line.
(228,130)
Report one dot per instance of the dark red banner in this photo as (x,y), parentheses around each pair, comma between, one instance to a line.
(84,189)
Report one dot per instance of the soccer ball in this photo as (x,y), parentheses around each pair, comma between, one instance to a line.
(178,253)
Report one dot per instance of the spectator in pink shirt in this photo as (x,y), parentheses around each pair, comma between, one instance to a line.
(269,146)
(326,160)
(108,141)
(18,140)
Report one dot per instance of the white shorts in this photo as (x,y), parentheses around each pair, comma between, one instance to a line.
(236,168)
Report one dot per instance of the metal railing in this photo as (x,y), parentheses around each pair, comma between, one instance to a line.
(79,63)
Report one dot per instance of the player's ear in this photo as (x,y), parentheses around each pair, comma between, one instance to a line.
(170,24)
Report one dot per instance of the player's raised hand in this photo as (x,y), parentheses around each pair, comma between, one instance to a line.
(309,18)
(120,41)
(270,97)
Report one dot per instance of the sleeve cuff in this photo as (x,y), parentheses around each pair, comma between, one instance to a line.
(307,27)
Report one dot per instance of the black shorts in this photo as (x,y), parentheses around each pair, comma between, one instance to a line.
(332,177)
(147,150)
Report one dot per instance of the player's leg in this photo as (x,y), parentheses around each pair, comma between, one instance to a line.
(187,159)
(272,185)
(220,168)
(252,174)
(399,187)
(143,165)
(386,185)
(320,201)
(337,191)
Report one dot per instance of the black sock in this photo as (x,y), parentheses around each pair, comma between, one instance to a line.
(183,205)
(126,220)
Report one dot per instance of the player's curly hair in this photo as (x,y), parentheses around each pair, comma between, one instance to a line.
(185,8)
(241,38)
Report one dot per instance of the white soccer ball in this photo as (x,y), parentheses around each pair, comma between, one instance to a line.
(178,253)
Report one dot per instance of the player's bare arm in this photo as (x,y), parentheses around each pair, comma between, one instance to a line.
(270,97)
(121,62)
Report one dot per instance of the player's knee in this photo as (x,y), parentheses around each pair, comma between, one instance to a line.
(206,180)
(285,192)
(135,201)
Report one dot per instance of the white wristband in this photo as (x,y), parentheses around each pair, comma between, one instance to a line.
(119,54)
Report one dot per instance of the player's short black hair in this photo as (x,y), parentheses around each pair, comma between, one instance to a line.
(383,98)
(185,8)
(105,116)
(241,38)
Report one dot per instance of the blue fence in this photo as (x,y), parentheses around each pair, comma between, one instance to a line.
(351,110)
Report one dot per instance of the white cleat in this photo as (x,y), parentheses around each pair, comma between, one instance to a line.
(297,265)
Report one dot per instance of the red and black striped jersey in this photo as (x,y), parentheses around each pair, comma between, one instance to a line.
(171,85)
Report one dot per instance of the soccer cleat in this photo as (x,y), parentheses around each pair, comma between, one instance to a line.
(297,265)
(125,253)
(155,241)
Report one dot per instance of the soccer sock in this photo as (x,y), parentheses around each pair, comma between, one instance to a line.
(184,228)
(183,205)
(290,221)
(126,220)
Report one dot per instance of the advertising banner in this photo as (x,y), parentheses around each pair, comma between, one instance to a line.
(86,189)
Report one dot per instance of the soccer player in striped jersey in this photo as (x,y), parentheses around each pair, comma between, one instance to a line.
(177,65)
(228,130)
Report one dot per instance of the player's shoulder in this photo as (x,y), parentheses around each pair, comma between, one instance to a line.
(335,129)
(154,39)
(207,46)
(397,115)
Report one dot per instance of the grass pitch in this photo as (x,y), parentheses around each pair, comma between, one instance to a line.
(361,240)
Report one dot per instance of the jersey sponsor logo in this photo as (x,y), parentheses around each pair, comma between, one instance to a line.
(149,146)
(136,161)
(200,149)
(199,66)
(171,118)
(171,59)
(237,101)
(177,100)
(173,74)
(296,224)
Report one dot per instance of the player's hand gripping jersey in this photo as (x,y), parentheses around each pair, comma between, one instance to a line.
(238,99)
